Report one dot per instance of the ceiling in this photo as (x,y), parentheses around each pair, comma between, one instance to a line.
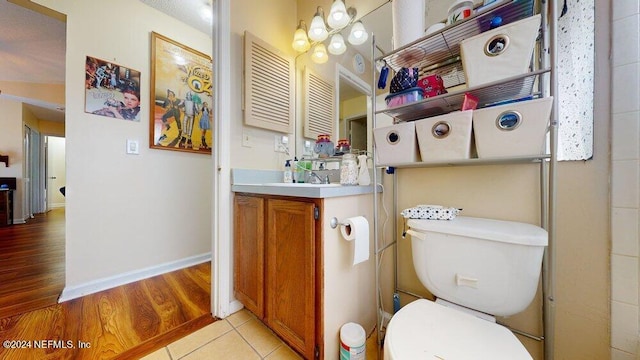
(33,47)
(191,12)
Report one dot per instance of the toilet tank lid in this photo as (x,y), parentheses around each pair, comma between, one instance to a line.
(486,229)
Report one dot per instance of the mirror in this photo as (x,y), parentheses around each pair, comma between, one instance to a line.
(353,103)
(351,74)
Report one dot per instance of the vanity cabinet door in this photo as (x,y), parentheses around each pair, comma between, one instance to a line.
(291,269)
(248,252)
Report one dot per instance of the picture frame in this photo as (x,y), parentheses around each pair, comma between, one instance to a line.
(181,113)
(111,90)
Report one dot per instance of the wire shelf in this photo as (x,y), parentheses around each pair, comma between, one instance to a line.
(442,45)
(517,87)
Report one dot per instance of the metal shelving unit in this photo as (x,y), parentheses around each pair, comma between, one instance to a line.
(439,53)
(516,87)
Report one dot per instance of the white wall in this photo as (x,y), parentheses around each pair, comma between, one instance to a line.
(273,22)
(126,213)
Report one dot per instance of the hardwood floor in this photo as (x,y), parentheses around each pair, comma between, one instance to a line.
(120,323)
(126,322)
(32,263)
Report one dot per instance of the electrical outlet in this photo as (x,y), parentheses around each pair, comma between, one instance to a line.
(307,147)
(281,144)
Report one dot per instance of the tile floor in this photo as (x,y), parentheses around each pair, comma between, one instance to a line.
(239,336)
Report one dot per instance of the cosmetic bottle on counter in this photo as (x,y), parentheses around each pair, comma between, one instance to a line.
(363,175)
(294,169)
(288,175)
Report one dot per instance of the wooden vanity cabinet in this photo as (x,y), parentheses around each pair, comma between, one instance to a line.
(248,253)
(277,273)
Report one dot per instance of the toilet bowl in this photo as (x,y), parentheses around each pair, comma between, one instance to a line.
(481,266)
(426,330)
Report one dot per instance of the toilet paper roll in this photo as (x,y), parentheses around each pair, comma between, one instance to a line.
(408,21)
(357,228)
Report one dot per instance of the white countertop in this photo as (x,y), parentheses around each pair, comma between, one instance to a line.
(267,182)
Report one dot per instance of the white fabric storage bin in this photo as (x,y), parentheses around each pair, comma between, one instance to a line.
(445,137)
(515,129)
(499,53)
(396,144)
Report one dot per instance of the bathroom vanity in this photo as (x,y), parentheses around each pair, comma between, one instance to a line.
(294,271)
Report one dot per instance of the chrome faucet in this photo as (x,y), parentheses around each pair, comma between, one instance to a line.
(315,179)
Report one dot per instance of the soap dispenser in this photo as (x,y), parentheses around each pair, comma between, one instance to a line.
(288,175)
(294,170)
(363,175)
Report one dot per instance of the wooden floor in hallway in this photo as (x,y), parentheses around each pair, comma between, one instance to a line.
(128,321)
(32,263)
(125,322)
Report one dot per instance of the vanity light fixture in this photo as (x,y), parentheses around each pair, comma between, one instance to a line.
(319,55)
(358,34)
(300,39)
(318,30)
(337,45)
(339,18)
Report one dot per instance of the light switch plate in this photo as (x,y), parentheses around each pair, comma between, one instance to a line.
(133,147)
(247,139)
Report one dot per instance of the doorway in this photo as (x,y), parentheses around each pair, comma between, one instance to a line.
(55,172)
(357,131)
(34,246)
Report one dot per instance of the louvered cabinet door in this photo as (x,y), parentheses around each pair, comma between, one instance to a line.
(248,253)
(291,268)
(269,85)
(319,106)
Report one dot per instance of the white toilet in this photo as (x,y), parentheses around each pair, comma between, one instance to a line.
(476,268)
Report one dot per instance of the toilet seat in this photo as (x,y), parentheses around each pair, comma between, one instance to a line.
(426,330)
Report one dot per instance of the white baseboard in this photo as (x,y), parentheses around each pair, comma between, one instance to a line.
(57,205)
(235,306)
(74,292)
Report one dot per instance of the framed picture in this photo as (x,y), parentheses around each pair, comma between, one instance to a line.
(111,90)
(181,97)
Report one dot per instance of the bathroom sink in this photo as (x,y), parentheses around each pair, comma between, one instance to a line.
(310,185)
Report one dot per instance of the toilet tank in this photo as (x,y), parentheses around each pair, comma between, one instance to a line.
(492,266)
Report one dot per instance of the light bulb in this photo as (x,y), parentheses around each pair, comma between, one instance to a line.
(337,45)
(338,17)
(318,30)
(358,34)
(300,40)
(319,55)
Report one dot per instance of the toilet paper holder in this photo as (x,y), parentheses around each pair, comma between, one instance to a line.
(334,223)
